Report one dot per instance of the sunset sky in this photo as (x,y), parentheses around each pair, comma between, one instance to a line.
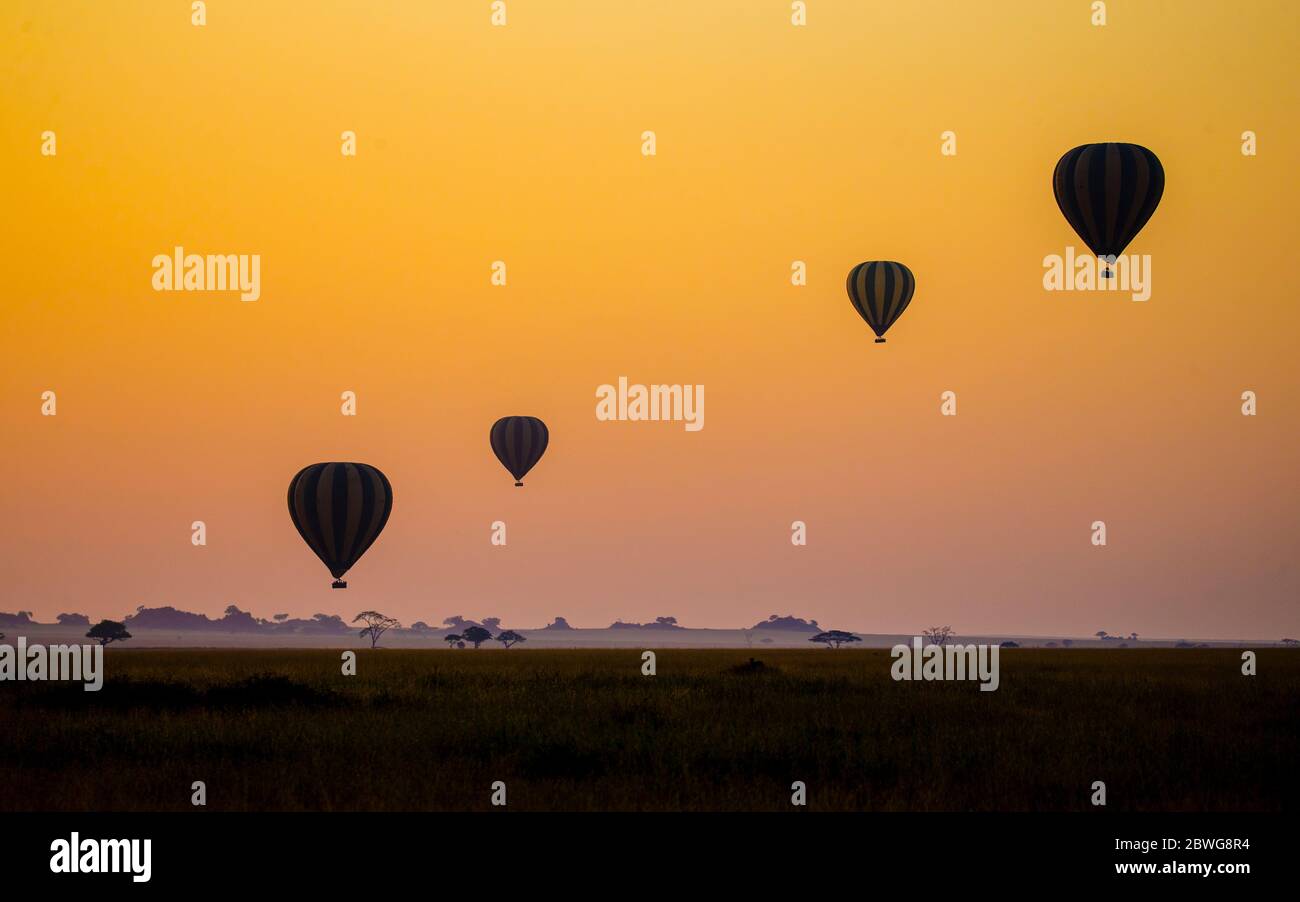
(775,143)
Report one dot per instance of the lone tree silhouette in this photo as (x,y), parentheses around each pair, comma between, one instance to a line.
(107,631)
(454,638)
(510,637)
(834,638)
(938,635)
(376,625)
(476,635)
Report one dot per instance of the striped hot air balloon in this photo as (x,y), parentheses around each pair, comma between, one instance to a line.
(880,291)
(339,510)
(1107,192)
(519,443)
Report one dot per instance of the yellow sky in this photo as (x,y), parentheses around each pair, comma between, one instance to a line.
(775,143)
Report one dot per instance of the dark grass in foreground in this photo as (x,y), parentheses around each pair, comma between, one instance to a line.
(583,729)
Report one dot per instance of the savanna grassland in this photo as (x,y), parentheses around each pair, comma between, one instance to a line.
(584,729)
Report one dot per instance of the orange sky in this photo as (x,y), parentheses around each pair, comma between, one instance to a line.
(775,144)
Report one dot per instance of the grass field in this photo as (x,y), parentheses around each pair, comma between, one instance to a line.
(584,730)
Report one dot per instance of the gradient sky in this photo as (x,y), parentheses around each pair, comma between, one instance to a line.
(775,144)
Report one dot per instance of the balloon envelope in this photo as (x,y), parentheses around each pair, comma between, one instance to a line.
(519,443)
(339,510)
(880,291)
(1107,192)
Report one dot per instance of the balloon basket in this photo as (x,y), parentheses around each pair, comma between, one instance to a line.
(519,485)
(879,341)
(338,584)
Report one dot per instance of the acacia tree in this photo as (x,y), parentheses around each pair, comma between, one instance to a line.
(510,637)
(107,631)
(835,638)
(938,635)
(452,638)
(376,625)
(476,635)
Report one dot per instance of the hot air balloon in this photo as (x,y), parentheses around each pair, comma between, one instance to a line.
(1107,192)
(519,443)
(340,509)
(880,291)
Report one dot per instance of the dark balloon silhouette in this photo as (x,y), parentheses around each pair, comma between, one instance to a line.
(880,291)
(519,443)
(339,510)
(1107,192)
